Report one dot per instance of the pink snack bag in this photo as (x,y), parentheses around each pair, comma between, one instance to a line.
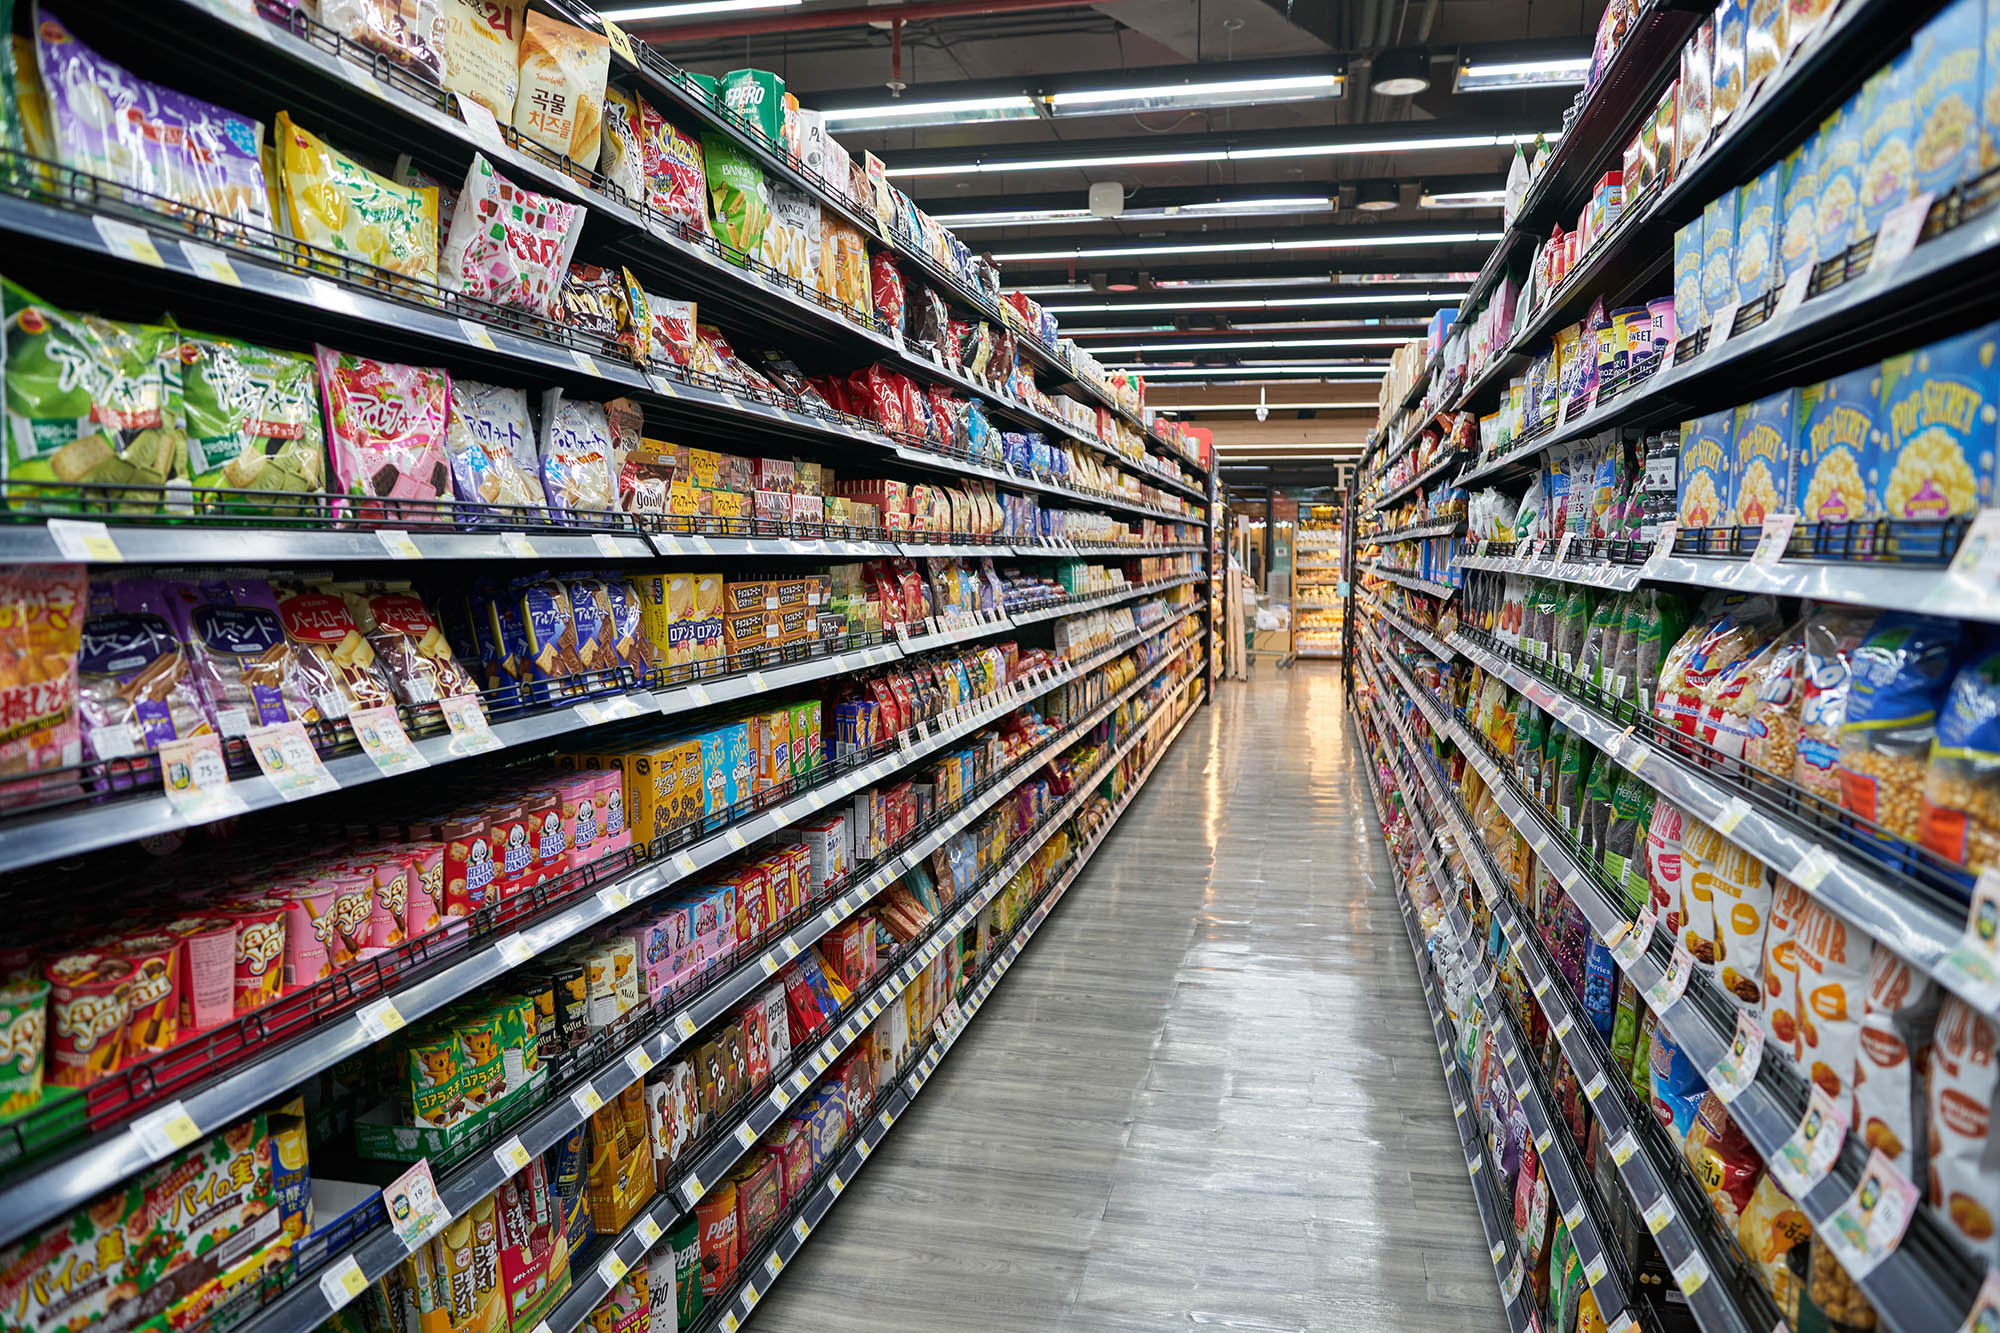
(386,428)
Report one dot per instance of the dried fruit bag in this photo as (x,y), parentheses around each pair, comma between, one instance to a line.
(386,428)
(135,682)
(676,174)
(88,402)
(182,150)
(41,626)
(409,32)
(560,102)
(492,447)
(253,420)
(508,245)
(334,203)
(736,189)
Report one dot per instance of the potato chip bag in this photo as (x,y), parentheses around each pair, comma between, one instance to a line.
(253,421)
(483,41)
(107,123)
(1964,1153)
(386,427)
(676,173)
(560,102)
(622,162)
(492,447)
(508,245)
(741,201)
(89,402)
(334,203)
(409,32)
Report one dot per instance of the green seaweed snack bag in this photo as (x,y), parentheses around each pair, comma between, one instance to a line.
(1597,803)
(88,402)
(1570,778)
(738,197)
(1572,626)
(253,420)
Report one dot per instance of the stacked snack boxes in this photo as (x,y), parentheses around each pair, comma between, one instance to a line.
(476,1063)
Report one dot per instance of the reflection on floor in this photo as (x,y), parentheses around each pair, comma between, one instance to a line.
(1207,1095)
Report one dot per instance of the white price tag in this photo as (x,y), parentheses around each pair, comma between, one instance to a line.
(587,1100)
(331,296)
(470,732)
(516,544)
(344,1281)
(1813,868)
(514,950)
(1793,295)
(1972,968)
(1803,1160)
(485,129)
(611,1269)
(382,736)
(1732,815)
(165,1129)
(1737,1068)
(648,1231)
(127,241)
(512,1156)
(379,1019)
(211,264)
(639,1061)
(1771,543)
(1867,1228)
(286,756)
(1664,993)
(84,540)
(1901,228)
(1721,325)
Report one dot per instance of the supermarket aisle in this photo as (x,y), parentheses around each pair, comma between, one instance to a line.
(1206,1096)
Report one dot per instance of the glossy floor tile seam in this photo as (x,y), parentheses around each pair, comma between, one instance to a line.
(1205,1095)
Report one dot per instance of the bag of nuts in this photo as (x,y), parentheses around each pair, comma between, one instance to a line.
(1766,713)
(1960,816)
(1901,673)
(1831,638)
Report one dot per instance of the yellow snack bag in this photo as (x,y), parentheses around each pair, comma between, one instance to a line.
(334,203)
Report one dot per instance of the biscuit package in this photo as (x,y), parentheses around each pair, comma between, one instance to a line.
(386,428)
(235,637)
(334,203)
(492,448)
(40,632)
(622,163)
(577,472)
(560,101)
(136,687)
(335,665)
(408,645)
(675,171)
(483,39)
(508,245)
(409,32)
(253,420)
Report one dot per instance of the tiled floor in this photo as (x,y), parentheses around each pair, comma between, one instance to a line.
(1207,1095)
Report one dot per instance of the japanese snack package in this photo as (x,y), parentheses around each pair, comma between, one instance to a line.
(608,304)
(1781,968)
(560,102)
(335,666)
(386,424)
(673,339)
(107,123)
(89,402)
(740,200)
(334,203)
(676,177)
(409,32)
(135,682)
(622,162)
(576,456)
(1834,960)
(492,447)
(484,41)
(41,626)
(247,669)
(791,238)
(1893,1052)
(408,644)
(508,245)
(887,284)
(253,421)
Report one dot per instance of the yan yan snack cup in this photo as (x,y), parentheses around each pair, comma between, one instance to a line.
(353,905)
(89,1004)
(153,1022)
(24,1029)
(309,933)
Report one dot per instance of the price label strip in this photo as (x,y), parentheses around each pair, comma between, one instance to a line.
(1803,1160)
(383,739)
(289,762)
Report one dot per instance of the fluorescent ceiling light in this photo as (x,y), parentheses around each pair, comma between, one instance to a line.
(1498,77)
(1276,280)
(1414,326)
(1221,92)
(1368,405)
(1257,303)
(1264,345)
(1370,371)
(631,12)
(903,115)
(1070,217)
(1360,242)
(1222,155)
(1464,199)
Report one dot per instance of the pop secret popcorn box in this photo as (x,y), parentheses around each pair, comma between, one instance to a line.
(139,1257)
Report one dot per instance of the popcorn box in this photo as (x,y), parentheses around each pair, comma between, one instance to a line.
(1798,224)
(1766,432)
(1708,446)
(1756,234)
(1946,58)
(1718,253)
(1938,415)
(1838,154)
(1888,134)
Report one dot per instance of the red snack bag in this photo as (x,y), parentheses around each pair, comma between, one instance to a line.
(887,284)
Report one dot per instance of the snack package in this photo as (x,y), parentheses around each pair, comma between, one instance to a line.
(622,161)
(1781,968)
(409,647)
(1937,407)
(409,32)
(887,284)
(673,336)
(492,448)
(245,665)
(577,473)
(1833,959)
(1964,1152)
(757,97)
(1831,637)
(1723,1159)
(1960,818)
(741,201)
(675,171)
(135,685)
(334,203)
(483,42)
(335,668)
(89,402)
(791,238)
(1893,1051)
(253,420)
(41,626)
(608,304)
(1902,672)
(560,101)
(386,426)
(508,245)
(106,123)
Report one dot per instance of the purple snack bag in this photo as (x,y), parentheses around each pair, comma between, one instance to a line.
(135,685)
(241,658)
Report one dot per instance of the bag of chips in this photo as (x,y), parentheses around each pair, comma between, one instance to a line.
(576,456)
(560,102)
(1964,1151)
(89,402)
(886,282)
(492,448)
(608,304)
(1834,960)
(1723,1160)
(676,177)
(483,42)
(1894,1050)
(409,32)
(106,123)
(508,245)
(334,203)
(386,426)
(791,239)
(740,199)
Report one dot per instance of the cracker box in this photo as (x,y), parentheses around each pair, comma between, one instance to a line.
(740,763)
(771,735)
(1838,173)
(825,844)
(1938,415)
(1888,134)
(1766,431)
(805,733)
(1718,252)
(714,772)
(715,1217)
(1708,446)
(1757,221)
(1690,311)
(753,904)
(1945,63)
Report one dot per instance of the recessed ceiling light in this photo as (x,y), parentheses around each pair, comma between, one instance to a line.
(1401,73)
(1377,196)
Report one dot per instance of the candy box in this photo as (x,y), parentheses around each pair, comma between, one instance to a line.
(753,904)
(1938,414)
(1708,448)
(758,1192)
(1764,465)
(534,1252)
(805,737)
(715,1220)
